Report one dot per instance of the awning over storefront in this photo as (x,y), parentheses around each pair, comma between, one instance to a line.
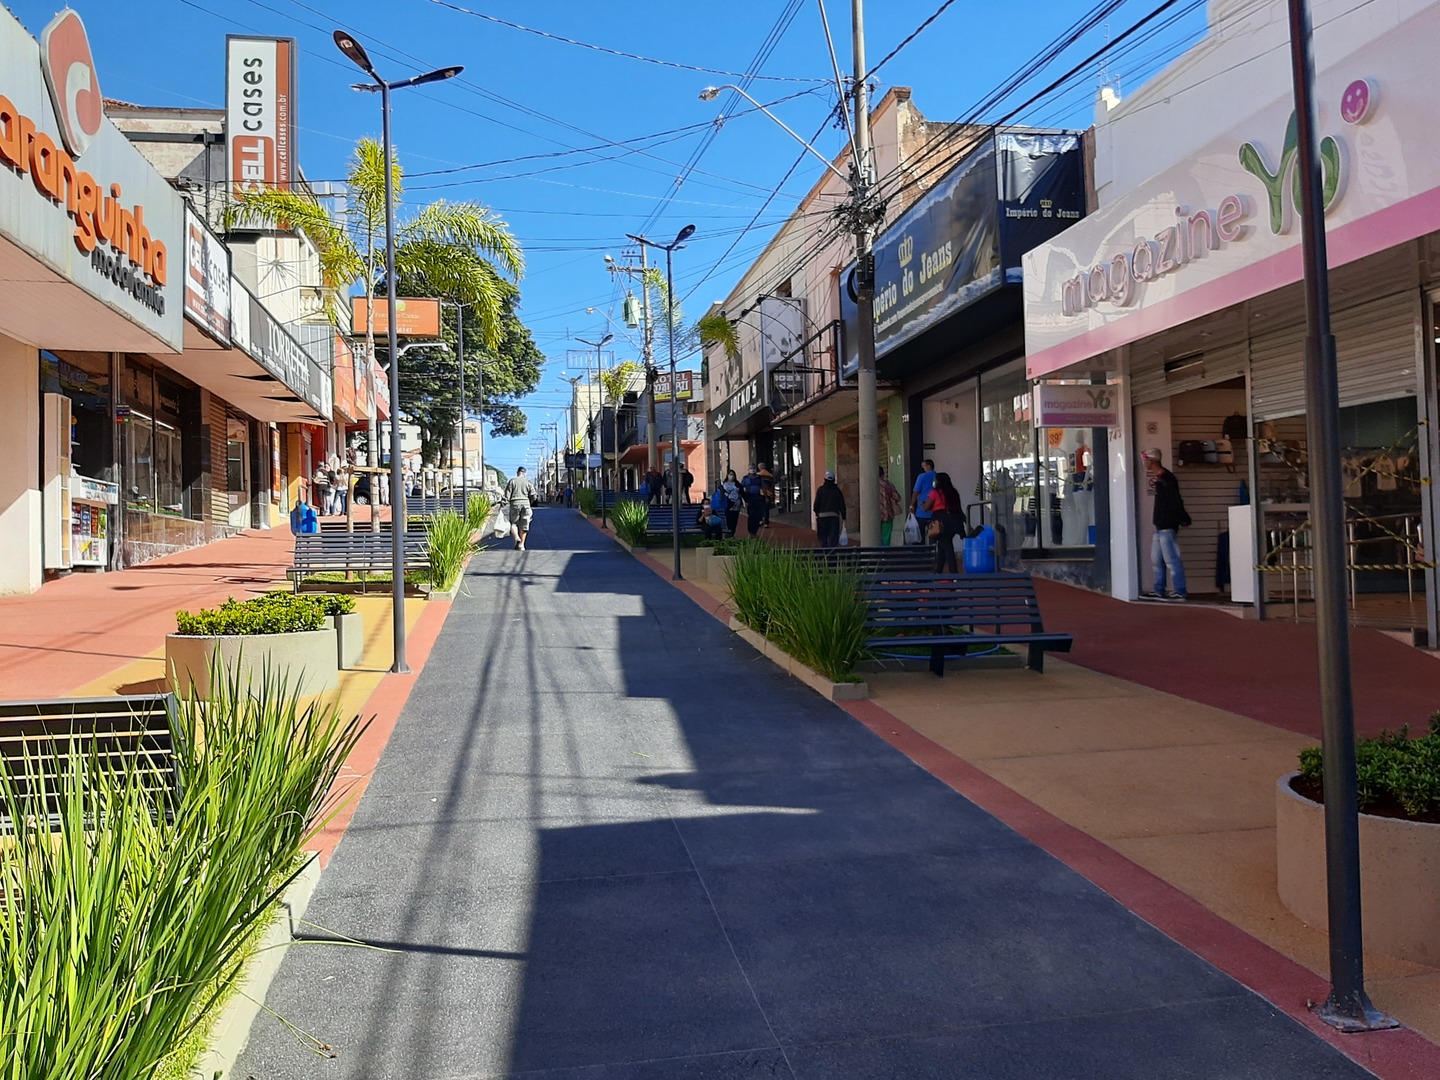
(261,370)
(639,454)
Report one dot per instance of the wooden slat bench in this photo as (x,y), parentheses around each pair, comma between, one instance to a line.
(362,525)
(362,553)
(130,735)
(950,615)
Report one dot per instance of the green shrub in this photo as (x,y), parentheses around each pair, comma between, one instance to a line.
(1393,772)
(631,517)
(734,545)
(121,930)
(333,603)
(448,535)
(477,510)
(588,501)
(813,613)
(272,613)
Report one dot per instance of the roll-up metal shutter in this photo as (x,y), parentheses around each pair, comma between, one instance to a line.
(1376,347)
(1148,381)
(1277,373)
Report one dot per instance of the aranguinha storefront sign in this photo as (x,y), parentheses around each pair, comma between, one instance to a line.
(113,220)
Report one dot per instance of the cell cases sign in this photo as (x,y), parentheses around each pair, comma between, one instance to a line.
(207,279)
(260,112)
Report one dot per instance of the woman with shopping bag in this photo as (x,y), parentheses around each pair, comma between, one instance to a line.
(947,521)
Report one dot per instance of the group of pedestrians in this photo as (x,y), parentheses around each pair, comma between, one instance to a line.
(754,494)
(935,504)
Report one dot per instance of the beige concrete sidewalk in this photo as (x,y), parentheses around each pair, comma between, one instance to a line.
(1180,788)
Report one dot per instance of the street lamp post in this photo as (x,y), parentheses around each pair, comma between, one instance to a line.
(600,378)
(675,489)
(357,55)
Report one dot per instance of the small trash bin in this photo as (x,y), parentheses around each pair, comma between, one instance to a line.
(980,552)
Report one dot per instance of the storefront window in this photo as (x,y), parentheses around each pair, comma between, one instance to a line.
(85,379)
(154,476)
(1038,482)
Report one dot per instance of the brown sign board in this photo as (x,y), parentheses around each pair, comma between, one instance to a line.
(414,317)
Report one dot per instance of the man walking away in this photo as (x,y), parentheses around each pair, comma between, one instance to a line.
(829,512)
(889,507)
(520,496)
(923,483)
(1168,517)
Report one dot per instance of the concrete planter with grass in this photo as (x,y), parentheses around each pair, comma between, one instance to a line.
(718,569)
(1399,875)
(702,563)
(826,688)
(309,659)
(349,637)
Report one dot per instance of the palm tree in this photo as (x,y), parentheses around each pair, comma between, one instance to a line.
(459,251)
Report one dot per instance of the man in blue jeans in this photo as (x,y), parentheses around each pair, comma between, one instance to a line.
(1169,517)
(923,483)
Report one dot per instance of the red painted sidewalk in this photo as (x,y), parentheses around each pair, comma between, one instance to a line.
(1267,671)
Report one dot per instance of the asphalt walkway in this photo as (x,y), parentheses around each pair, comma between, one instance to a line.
(607,840)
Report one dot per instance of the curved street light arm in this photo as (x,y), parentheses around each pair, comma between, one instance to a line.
(709,94)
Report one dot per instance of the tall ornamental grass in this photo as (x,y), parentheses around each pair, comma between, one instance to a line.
(448,535)
(477,510)
(632,518)
(812,612)
(588,501)
(122,928)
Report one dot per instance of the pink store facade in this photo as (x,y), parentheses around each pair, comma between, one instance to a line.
(1180,295)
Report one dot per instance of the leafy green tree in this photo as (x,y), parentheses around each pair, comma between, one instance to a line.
(460,252)
(494,376)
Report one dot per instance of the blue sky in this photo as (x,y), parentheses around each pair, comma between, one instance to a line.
(533,96)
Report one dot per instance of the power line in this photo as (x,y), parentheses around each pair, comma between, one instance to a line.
(616,52)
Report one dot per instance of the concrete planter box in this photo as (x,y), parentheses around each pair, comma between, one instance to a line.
(702,563)
(1399,875)
(308,660)
(830,691)
(349,637)
(718,568)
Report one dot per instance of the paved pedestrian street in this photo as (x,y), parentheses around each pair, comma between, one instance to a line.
(608,841)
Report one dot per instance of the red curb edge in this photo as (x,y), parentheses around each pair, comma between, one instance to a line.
(1399,1054)
(384,706)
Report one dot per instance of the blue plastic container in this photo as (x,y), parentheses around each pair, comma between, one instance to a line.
(980,552)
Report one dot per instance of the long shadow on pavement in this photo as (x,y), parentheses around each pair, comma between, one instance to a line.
(607,840)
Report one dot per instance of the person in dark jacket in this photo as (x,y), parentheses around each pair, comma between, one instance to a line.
(754,501)
(829,512)
(1168,517)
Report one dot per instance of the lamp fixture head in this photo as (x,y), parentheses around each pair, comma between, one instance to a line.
(710,93)
(683,235)
(346,43)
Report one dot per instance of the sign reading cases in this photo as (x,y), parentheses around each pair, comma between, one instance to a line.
(260,113)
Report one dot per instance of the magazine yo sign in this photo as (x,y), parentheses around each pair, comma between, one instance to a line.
(1062,405)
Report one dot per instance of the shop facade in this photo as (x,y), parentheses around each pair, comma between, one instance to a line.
(1181,296)
(949,341)
(141,415)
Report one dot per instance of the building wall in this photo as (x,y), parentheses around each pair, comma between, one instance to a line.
(20,567)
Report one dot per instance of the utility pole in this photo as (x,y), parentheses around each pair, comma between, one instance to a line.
(869,421)
(647,351)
